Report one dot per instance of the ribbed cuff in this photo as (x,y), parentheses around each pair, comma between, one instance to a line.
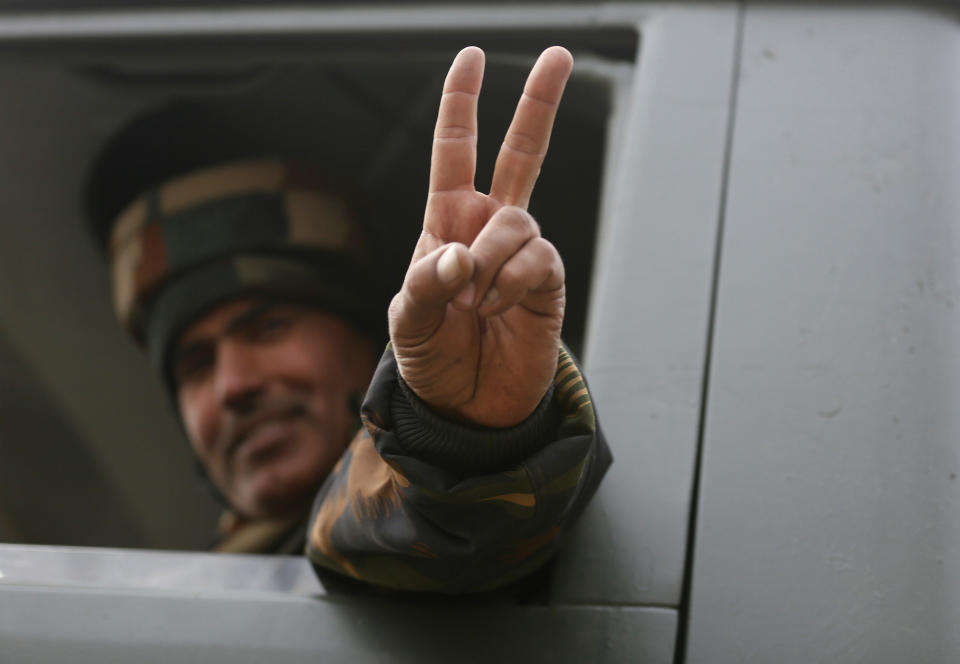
(464,450)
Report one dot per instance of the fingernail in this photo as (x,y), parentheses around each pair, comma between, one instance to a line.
(448,267)
(464,299)
(492,296)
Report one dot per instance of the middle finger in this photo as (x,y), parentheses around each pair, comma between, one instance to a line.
(525,145)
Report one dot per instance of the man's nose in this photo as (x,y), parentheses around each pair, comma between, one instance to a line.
(239,376)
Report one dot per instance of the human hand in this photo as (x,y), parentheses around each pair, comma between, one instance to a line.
(476,325)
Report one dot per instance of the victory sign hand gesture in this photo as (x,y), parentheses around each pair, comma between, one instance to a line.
(476,326)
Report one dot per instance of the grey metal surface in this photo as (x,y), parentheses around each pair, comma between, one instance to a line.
(829,524)
(39,627)
(110,616)
(178,20)
(64,462)
(123,569)
(648,324)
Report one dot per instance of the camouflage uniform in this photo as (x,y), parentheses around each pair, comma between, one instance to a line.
(416,502)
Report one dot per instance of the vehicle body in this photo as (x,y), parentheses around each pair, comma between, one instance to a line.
(763,272)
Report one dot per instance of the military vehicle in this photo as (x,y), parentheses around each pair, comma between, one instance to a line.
(759,208)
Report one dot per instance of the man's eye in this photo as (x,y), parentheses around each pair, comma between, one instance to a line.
(267,327)
(192,366)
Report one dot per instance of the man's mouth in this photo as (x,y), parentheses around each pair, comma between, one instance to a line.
(262,433)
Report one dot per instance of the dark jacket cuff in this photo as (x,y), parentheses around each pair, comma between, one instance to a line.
(466,450)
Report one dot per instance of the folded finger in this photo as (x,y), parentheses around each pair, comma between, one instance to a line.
(535,269)
(504,234)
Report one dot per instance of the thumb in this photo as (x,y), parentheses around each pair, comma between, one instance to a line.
(431,283)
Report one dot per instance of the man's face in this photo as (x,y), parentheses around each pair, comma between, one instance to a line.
(265,393)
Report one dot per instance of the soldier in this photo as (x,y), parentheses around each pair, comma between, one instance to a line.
(249,286)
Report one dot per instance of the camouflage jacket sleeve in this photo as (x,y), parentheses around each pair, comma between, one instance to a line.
(420,503)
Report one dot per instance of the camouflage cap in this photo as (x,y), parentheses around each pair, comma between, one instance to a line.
(258,227)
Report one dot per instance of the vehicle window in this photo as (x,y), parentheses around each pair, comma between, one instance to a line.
(81,408)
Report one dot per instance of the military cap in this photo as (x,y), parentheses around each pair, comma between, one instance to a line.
(263,227)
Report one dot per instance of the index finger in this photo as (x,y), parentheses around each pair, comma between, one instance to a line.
(525,145)
(454,157)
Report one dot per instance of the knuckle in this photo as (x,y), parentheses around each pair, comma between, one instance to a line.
(523,143)
(454,132)
(544,250)
(546,103)
(509,276)
(547,258)
(518,220)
